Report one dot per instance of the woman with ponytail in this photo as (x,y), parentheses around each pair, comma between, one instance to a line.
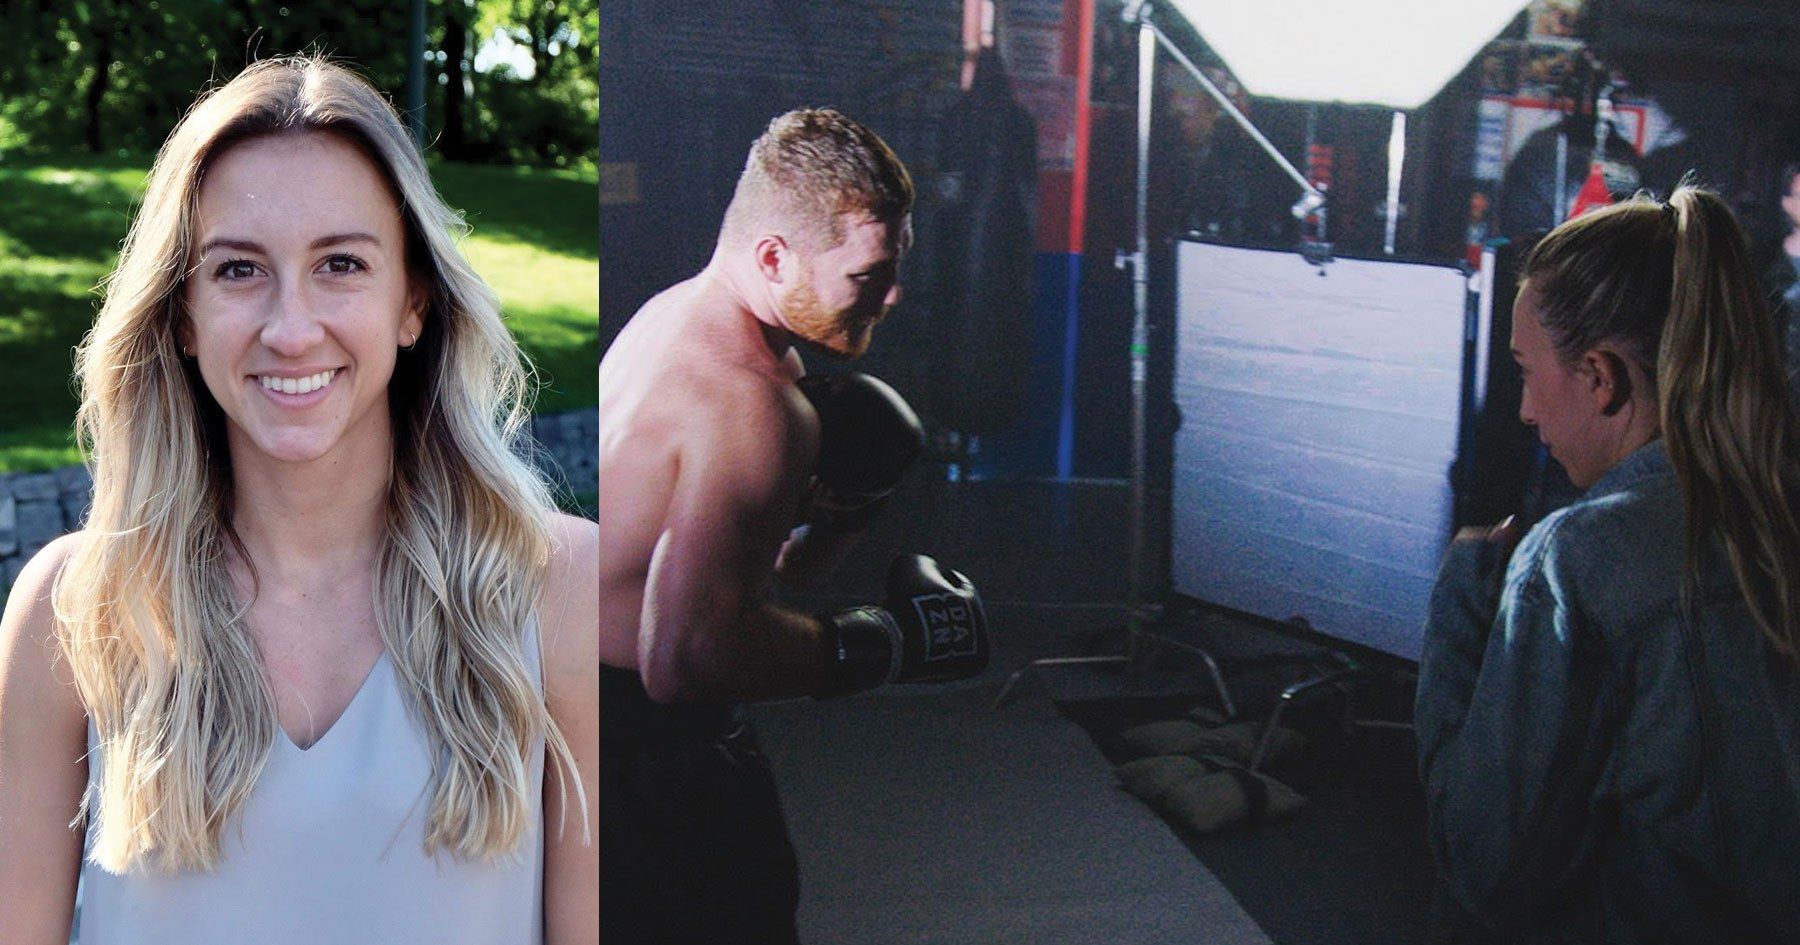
(1609,716)
(321,665)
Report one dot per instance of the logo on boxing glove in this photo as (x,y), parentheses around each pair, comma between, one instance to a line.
(949,622)
(931,628)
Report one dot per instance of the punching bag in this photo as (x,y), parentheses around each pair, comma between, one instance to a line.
(1529,206)
(983,240)
(1594,192)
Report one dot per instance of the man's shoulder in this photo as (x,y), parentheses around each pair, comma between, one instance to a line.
(743,392)
(683,347)
(698,386)
(754,419)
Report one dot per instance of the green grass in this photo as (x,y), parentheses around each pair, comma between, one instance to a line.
(535,241)
(61,222)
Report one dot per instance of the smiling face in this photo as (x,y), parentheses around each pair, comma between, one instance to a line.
(298,295)
(839,295)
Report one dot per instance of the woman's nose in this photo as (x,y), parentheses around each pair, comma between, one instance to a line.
(291,329)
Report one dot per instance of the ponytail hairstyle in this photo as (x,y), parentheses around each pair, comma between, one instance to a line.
(1671,285)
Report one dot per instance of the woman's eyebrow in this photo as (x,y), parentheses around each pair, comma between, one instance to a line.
(339,238)
(251,246)
(226,242)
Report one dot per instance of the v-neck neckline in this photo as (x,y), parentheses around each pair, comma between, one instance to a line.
(355,699)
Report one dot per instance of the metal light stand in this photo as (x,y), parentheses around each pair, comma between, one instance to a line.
(1337,678)
(1136,612)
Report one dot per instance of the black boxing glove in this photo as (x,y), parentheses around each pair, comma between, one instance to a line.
(868,436)
(931,628)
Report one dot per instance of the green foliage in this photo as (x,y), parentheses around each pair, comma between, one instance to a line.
(60,228)
(533,241)
(114,76)
(553,117)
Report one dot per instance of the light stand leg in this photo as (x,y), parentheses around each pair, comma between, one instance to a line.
(1135,609)
(1130,661)
(1292,693)
(1288,696)
(1012,681)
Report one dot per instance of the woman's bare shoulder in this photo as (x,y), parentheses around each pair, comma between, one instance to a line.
(29,610)
(32,663)
(569,610)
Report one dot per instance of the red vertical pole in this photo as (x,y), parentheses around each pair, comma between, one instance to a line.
(1084,89)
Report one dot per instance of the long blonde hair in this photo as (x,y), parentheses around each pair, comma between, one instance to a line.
(172,682)
(1671,282)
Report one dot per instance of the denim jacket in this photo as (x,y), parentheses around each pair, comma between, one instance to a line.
(1600,764)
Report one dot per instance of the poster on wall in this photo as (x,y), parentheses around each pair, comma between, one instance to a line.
(1493,117)
(1553,19)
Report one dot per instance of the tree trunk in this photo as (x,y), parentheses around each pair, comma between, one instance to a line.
(96,90)
(540,46)
(456,47)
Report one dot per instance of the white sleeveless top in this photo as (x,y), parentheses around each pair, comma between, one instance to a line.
(329,850)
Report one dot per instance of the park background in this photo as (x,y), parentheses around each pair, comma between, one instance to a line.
(89,90)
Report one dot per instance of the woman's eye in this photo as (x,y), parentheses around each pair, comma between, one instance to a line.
(235,269)
(342,264)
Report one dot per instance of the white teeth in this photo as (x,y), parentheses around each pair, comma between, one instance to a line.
(297,385)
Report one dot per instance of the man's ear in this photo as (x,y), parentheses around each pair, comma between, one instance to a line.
(1609,379)
(774,258)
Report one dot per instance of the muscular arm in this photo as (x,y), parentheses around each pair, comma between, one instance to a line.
(708,630)
(43,768)
(570,641)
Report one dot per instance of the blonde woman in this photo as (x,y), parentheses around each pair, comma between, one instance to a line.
(321,667)
(1610,735)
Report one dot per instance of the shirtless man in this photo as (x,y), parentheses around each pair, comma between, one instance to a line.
(713,448)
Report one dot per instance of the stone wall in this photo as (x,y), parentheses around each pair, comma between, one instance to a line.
(35,508)
(572,441)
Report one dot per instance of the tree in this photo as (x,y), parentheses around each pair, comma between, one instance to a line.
(107,75)
(457,17)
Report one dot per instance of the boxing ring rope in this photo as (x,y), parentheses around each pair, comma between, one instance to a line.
(1311,202)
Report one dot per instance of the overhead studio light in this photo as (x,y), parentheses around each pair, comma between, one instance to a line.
(1393,53)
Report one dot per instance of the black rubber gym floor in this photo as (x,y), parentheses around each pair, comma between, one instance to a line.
(1350,867)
